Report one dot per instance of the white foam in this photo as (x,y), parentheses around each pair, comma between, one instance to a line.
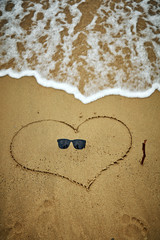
(74,90)
(138,77)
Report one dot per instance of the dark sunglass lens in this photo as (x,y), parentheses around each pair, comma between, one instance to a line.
(79,144)
(63,143)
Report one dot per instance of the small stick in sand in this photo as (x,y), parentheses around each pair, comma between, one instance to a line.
(144,153)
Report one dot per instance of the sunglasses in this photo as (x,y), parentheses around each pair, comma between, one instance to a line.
(77,143)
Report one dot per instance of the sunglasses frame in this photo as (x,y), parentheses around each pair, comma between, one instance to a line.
(73,142)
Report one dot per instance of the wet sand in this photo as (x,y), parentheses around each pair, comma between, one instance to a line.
(100,192)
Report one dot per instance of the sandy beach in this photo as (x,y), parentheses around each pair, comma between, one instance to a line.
(109,190)
(48,193)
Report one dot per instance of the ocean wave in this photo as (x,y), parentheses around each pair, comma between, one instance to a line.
(87,48)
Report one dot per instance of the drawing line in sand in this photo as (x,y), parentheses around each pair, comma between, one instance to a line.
(76,130)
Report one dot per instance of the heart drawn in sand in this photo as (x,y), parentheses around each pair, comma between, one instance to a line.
(108,141)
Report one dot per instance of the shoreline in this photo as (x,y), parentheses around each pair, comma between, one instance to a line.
(75,91)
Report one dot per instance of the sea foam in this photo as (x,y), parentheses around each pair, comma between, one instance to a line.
(87,48)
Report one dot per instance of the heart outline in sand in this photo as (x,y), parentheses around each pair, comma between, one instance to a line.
(76,130)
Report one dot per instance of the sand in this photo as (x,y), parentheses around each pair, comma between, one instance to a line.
(100,192)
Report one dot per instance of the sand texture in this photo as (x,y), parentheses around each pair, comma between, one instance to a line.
(100,192)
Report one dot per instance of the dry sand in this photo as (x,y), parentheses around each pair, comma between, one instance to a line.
(82,201)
